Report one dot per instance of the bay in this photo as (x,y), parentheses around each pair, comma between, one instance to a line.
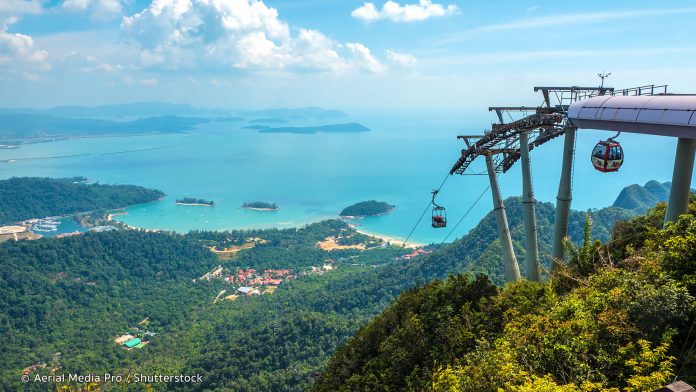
(313,176)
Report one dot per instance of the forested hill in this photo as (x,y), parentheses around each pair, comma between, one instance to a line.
(616,319)
(480,250)
(74,295)
(641,198)
(24,198)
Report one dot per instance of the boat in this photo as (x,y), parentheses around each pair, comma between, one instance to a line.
(47,225)
(44,228)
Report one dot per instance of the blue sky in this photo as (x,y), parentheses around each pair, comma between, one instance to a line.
(354,55)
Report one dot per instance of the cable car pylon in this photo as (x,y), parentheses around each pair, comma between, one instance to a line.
(681,179)
(514,141)
(563,199)
(533,268)
(512,269)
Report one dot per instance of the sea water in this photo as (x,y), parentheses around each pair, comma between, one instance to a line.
(313,176)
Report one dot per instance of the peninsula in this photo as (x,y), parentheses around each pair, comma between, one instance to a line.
(23,198)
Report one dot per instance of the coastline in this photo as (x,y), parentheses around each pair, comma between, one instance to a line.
(396,241)
(131,227)
(389,239)
(386,238)
(195,204)
(110,217)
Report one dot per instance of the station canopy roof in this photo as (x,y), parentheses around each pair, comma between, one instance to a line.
(664,115)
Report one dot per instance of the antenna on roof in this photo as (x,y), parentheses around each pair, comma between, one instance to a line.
(602,75)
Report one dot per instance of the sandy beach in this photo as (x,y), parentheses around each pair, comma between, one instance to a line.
(110,217)
(391,240)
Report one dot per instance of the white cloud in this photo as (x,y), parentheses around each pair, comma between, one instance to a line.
(18,51)
(98,9)
(96,64)
(20,7)
(245,34)
(396,12)
(313,50)
(401,59)
(364,59)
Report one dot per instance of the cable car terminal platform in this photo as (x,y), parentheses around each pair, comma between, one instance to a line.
(662,115)
(645,109)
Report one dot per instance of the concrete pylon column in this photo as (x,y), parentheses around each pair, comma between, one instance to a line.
(512,269)
(563,199)
(531,243)
(681,179)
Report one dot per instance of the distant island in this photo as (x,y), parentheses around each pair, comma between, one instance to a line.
(260,205)
(330,128)
(22,128)
(367,208)
(25,125)
(190,201)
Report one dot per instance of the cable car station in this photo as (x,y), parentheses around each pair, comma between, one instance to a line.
(646,109)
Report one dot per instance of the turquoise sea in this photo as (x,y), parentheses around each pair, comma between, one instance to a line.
(313,176)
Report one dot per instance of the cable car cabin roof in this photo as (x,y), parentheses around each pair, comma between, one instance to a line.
(664,115)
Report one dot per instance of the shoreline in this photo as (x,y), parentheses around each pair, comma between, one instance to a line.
(195,204)
(392,240)
(20,142)
(386,238)
(110,216)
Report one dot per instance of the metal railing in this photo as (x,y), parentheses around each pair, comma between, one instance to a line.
(650,89)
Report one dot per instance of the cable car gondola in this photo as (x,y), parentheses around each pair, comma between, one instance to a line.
(439,214)
(607,156)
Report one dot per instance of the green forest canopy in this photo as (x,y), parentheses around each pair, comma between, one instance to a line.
(367,208)
(74,295)
(260,204)
(615,319)
(33,197)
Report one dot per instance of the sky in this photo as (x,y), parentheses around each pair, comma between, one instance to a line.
(411,55)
